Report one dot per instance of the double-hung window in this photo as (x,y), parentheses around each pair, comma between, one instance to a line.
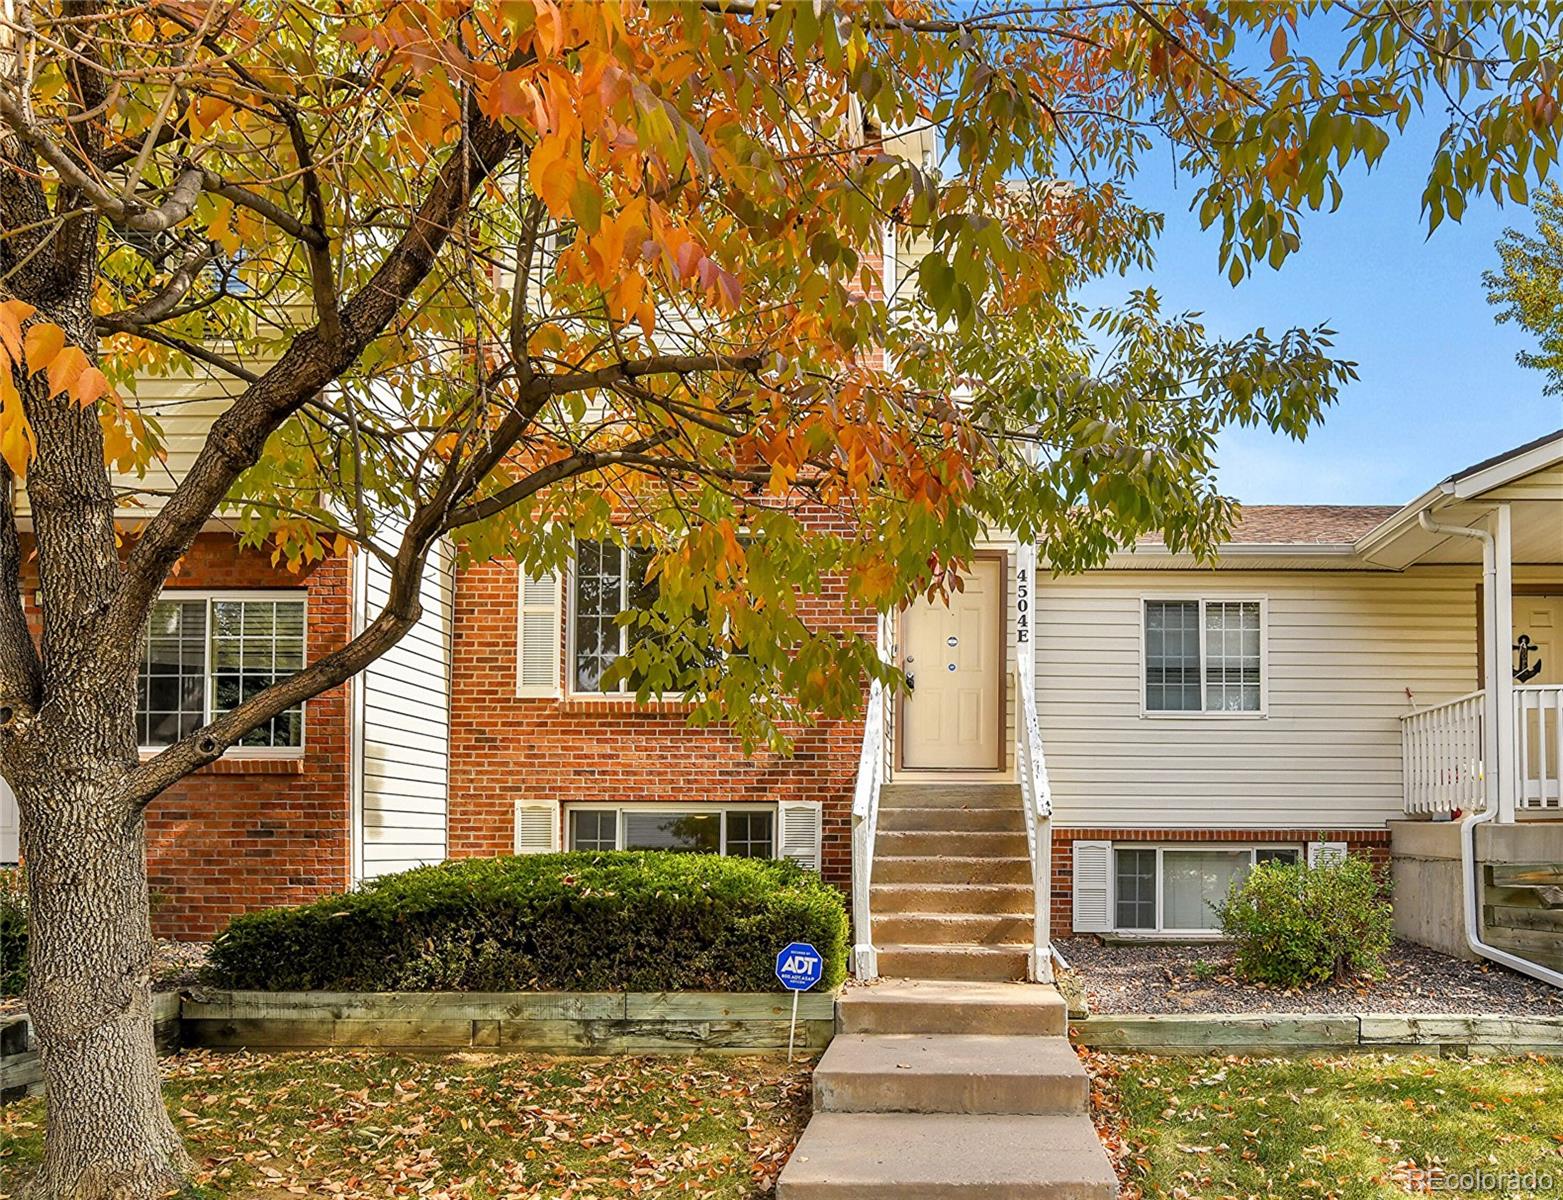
(608,582)
(1166,889)
(1204,655)
(206,655)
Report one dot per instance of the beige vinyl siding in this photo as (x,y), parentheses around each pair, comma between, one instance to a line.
(403,727)
(1343,648)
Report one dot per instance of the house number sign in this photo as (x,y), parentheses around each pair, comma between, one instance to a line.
(1023,606)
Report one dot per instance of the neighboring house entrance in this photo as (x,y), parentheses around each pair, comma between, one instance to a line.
(10,827)
(952,709)
(1539,621)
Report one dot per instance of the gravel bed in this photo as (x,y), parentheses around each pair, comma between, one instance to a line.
(174,965)
(1156,978)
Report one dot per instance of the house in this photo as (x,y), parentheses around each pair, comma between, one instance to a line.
(1134,738)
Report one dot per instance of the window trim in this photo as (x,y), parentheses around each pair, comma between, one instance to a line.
(211,595)
(1161,931)
(1204,713)
(623,806)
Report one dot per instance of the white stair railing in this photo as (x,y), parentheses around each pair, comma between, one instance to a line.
(1036,799)
(1538,746)
(865,823)
(1441,752)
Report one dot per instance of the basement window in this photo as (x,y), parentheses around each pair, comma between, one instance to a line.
(747,831)
(1173,890)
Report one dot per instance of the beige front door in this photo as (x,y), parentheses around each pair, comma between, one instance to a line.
(1539,621)
(952,709)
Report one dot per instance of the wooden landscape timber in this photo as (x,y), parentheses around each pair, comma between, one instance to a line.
(1522,910)
(1310,1033)
(555,1022)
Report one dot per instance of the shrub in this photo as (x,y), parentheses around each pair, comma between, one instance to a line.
(581,921)
(1294,925)
(13,932)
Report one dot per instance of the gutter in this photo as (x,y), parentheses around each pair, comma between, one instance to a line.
(1469,883)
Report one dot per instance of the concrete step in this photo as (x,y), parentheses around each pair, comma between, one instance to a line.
(950,795)
(933,819)
(913,1156)
(964,843)
(952,1073)
(953,962)
(953,929)
(947,868)
(936,1006)
(987,898)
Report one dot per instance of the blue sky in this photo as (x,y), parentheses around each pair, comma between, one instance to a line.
(1439,387)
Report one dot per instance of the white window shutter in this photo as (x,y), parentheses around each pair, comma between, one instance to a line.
(799,833)
(537,636)
(537,826)
(1322,854)
(1093,892)
(10,826)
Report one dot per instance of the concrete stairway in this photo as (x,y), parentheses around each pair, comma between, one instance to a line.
(936,1089)
(951,885)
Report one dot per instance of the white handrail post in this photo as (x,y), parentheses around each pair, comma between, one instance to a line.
(1503,676)
(1031,769)
(865,820)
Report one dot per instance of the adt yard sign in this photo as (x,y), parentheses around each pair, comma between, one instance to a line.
(799,967)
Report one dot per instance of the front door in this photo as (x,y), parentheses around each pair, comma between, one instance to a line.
(1538,625)
(952,708)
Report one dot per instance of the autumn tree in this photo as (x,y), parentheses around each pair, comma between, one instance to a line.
(502,273)
(1528,285)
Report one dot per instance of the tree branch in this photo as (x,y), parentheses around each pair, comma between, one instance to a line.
(157,306)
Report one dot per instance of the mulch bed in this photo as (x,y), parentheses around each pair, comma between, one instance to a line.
(1158,978)
(174,966)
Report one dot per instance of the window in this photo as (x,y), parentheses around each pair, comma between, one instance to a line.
(1204,656)
(1167,889)
(748,832)
(206,655)
(609,581)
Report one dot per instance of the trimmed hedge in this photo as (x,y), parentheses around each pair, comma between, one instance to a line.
(581,921)
(13,932)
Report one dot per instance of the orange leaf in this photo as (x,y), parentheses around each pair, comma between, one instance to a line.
(91,386)
(66,369)
(12,314)
(44,341)
(16,435)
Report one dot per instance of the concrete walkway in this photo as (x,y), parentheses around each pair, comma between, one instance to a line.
(935,1089)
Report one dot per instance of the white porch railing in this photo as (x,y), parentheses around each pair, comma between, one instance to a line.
(1441,748)
(1538,735)
(865,823)
(1036,799)
(1442,751)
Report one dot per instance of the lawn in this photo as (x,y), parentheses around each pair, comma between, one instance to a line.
(469,1127)
(1348,1128)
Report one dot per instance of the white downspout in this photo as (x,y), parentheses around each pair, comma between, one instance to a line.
(1497,656)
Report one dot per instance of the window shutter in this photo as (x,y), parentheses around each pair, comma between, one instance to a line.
(10,826)
(800,832)
(1093,893)
(1322,854)
(537,826)
(537,638)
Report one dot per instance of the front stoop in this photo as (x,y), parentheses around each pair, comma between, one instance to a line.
(937,1089)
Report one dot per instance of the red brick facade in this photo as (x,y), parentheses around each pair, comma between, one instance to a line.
(246,833)
(1372,842)
(506,749)
(250,833)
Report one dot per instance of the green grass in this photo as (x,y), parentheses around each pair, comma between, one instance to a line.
(1355,1128)
(468,1127)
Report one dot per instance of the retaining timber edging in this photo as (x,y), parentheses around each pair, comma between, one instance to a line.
(554,1022)
(21,1068)
(1306,1033)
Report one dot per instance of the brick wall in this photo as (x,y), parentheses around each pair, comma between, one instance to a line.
(247,833)
(591,748)
(1372,842)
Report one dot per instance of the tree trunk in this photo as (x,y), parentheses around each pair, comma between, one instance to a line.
(90,949)
(89,990)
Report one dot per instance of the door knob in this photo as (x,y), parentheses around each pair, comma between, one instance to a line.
(911,683)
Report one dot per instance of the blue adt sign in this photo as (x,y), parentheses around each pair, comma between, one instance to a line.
(799,967)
